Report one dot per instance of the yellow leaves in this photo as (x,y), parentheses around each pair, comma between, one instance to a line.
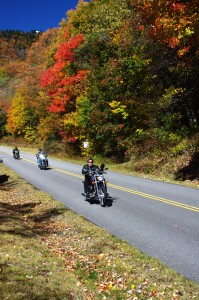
(118,109)
(17,116)
(101,256)
(168,96)
(111,287)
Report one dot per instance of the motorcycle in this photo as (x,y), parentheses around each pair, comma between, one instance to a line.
(42,161)
(98,188)
(16,154)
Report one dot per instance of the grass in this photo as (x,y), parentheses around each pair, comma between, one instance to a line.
(49,252)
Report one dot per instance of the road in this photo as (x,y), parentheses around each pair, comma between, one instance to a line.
(161,219)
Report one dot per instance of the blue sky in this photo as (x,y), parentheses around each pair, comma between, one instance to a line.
(33,15)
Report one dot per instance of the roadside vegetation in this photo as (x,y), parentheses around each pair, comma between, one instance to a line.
(49,252)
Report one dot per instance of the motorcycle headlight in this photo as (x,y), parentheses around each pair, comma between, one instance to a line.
(100,178)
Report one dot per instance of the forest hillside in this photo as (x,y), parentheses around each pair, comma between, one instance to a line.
(122,75)
(13,48)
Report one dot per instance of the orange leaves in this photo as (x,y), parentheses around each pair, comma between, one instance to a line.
(182,51)
(173,42)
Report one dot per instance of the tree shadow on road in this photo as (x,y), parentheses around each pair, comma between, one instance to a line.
(24,214)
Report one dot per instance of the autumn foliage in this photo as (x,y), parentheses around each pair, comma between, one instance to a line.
(121,74)
(171,22)
(57,79)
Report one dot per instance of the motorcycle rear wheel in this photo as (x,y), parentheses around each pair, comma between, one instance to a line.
(102,196)
(43,165)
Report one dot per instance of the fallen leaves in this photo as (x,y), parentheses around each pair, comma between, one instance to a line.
(105,267)
(102,273)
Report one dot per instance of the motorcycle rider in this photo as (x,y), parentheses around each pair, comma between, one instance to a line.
(40,151)
(89,167)
(37,156)
(15,151)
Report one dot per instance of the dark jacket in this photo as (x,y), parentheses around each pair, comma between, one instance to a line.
(86,169)
(15,150)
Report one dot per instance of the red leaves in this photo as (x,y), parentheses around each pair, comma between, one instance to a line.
(178,7)
(47,78)
(58,105)
(57,80)
(64,50)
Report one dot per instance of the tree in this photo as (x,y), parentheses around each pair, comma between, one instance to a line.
(18,115)
(33,102)
(60,78)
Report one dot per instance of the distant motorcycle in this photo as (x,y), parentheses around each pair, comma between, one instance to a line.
(42,160)
(97,188)
(16,154)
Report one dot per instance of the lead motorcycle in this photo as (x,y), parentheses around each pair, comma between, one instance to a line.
(98,187)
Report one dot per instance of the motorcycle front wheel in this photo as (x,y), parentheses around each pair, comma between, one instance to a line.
(102,196)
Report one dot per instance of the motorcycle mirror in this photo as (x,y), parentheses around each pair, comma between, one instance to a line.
(102,167)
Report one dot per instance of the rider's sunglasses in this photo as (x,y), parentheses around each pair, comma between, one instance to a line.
(90,162)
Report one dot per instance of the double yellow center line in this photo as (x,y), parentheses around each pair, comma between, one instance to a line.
(155,198)
(127,190)
(148,196)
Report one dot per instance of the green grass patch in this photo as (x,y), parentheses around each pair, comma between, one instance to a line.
(49,252)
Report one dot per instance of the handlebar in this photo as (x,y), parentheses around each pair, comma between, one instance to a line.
(95,173)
